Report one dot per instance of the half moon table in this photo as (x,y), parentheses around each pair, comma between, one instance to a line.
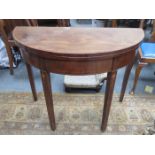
(77,51)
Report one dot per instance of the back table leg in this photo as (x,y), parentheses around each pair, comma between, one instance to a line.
(31,79)
(126,77)
(108,98)
(45,76)
(125,81)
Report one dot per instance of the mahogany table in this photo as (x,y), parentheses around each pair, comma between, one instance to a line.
(77,51)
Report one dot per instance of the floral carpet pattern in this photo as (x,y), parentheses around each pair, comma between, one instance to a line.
(75,114)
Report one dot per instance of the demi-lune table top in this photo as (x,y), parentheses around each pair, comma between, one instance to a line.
(71,41)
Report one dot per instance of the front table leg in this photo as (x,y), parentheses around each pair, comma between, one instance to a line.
(108,98)
(45,76)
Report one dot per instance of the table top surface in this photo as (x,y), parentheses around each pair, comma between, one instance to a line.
(78,41)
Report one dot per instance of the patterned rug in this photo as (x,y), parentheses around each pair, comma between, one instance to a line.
(75,114)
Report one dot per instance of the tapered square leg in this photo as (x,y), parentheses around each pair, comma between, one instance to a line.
(45,76)
(31,79)
(125,81)
(126,77)
(108,98)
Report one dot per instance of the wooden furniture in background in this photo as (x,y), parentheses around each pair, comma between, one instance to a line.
(63,22)
(146,54)
(128,70)
(7,46)
(77,51)
(114,22)
(6,28)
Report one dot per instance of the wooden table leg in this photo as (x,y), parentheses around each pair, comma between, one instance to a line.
(126,77)
(125,81)
(48,97)
(108,98)
(31,79)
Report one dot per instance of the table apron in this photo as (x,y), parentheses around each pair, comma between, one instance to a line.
(73,67)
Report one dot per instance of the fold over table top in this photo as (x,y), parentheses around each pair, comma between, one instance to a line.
(70,41)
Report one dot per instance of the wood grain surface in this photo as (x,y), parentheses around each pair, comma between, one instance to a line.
(78,41)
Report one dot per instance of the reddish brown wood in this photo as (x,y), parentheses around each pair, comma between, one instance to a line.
(63,22)
(78,51)
(32,83)
(67,41)
(114,23)
(108,98)
(126,77)
(6,28)
(8,48)
(153,32)
(10,24)
(57,66)
(45,76)
(141,25)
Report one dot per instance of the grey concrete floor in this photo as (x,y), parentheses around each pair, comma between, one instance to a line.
(19,81)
